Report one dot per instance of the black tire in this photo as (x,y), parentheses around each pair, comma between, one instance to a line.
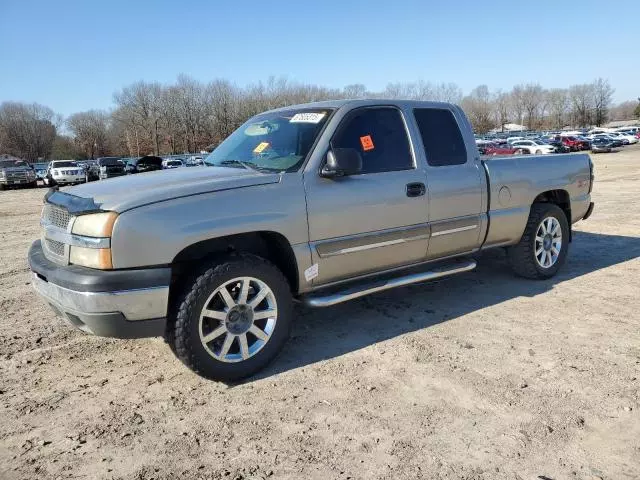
(522,256)
(183,329)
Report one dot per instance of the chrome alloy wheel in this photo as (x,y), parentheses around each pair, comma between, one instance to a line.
(238,319)
(548,242)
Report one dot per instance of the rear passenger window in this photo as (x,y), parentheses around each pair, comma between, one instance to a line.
(379,135)
(441,137)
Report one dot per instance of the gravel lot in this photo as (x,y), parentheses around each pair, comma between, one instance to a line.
(481,376)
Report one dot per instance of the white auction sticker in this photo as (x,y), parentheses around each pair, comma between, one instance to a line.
(311,272)
(307,117)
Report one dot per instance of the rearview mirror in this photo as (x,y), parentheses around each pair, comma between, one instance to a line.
(342,162)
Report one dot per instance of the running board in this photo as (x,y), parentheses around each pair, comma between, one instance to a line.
(361,290)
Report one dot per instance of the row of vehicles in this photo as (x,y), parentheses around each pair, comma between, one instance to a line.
(537,143)
(18,173)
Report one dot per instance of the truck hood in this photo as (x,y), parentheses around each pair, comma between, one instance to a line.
(131,191)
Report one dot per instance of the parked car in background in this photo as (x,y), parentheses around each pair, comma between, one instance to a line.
(574,143)
(41,170)
(615,142)
(536,147)
(194,161)
(514,139)
(148,163)
(625,137)
(491,148)
(172,163)
(109,167)
(595,131)
(601,145)
(64,172)
(16,173)
(633,131)
(559,146)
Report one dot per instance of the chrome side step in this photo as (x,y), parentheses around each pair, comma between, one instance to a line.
(361,290)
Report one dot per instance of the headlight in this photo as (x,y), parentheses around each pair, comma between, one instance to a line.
(95,224)
(91,257)
(98,225)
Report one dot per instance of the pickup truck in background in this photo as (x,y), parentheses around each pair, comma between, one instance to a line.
(107,167)
(16,173)
(318,203)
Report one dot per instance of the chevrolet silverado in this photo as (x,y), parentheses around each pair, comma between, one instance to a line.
(318,203)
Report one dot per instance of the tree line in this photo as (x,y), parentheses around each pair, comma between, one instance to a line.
(190,116)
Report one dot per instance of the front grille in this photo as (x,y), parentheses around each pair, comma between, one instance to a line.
(55,247)
(56,216)
(16,175)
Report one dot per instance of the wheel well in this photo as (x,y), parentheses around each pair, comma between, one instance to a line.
(271,246)
(561,199)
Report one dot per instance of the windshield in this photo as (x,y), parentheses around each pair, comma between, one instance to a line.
(12,163)
(173,163)
(63,164)
(277,142)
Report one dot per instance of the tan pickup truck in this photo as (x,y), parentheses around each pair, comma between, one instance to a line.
(317,203)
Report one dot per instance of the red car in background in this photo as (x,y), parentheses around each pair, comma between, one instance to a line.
(491,148)
(575,144)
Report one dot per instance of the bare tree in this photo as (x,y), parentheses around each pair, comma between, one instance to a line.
(623,111)
(581,99)
(602,94)
(223,98)
(139,106)
(447,92)
(518,103)
(355,90)
(478,107)
(90,131)
(558,101)
(501,107)
(27,130)
(530,98)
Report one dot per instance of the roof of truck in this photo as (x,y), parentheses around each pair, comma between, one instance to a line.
(364,102)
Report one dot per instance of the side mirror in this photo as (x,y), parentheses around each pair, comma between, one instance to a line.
(342,162)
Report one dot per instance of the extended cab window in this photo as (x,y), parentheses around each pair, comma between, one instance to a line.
(379,135)
(441,137)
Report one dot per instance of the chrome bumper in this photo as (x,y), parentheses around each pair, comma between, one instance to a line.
(69,179)
(141,304)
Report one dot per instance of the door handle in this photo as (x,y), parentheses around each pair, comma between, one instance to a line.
(416,189)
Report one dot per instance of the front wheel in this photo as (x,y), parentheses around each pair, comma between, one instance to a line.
(233,319)
(544,244)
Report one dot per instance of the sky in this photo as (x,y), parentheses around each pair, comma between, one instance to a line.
(73,55)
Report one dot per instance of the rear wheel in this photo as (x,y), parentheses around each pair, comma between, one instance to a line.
(543,247)
(538,152)
(233,319)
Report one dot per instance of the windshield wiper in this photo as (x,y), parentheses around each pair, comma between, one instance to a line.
(246,165)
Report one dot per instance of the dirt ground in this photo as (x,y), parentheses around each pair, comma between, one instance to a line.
(480,376)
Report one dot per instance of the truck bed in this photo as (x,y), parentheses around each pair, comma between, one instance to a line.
(516,181)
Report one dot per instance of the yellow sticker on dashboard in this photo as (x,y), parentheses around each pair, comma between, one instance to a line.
(261,147)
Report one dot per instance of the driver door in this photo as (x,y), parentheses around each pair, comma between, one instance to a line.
(376,219)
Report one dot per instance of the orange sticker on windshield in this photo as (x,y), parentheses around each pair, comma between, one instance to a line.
(367,143)
(261,147)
